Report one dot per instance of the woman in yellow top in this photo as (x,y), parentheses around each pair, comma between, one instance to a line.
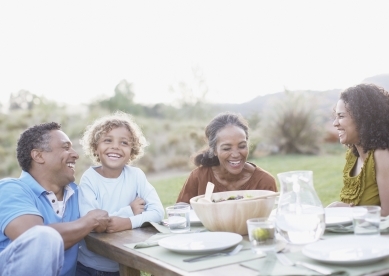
(362,121)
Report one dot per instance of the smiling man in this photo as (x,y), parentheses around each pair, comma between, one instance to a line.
(40,224)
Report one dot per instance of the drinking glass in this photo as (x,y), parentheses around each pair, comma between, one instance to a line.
(178,218)
(261,234)
(366,220)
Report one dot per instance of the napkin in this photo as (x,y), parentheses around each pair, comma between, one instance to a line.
(152,241)
(160,227)
(163,233)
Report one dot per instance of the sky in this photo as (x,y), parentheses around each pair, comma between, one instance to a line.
(76,51)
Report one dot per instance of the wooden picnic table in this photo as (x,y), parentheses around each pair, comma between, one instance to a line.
(131,261)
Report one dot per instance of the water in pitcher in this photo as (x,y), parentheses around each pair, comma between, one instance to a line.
(300,215)
(301,228)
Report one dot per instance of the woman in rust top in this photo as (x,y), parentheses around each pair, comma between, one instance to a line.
(224,162)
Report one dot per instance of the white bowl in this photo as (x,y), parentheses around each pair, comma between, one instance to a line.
(231,215)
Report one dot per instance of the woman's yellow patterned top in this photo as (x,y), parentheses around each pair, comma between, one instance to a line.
(361,189)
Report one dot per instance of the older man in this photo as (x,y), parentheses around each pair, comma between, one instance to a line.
(39,219)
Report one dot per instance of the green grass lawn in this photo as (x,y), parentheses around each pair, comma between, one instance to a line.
(327,175)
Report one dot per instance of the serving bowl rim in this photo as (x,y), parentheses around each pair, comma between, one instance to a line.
(196,198)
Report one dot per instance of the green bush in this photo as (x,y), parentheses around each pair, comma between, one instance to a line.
(292,124)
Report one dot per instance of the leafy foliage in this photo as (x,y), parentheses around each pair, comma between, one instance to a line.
(19,119)
(175,133)
(171,142)
(123,100)
(292,124)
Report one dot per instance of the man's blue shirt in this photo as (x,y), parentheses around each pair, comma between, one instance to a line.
(24,196)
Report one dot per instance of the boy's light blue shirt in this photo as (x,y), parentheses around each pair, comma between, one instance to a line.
(114,195)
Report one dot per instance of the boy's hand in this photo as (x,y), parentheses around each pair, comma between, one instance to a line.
(103,224)
(99,218)
(138,206)
(117,224)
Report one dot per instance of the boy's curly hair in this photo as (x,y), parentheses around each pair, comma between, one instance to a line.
(368,105)
(103,125)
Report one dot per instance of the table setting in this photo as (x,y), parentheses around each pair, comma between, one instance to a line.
(179,249)
(296,236)
(340,220)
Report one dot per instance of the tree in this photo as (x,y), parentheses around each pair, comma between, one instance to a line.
(23,100)
(123,100)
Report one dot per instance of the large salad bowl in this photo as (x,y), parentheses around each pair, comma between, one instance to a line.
(231,215)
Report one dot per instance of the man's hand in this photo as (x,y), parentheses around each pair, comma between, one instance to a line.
(117,224)
(138,206)
(100,219)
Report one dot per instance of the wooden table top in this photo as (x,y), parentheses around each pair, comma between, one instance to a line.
(133,261)
(112,247)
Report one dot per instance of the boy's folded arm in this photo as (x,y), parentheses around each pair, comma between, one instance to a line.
(124,212)
(154,213)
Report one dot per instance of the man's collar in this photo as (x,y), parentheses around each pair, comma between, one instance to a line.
(37,188)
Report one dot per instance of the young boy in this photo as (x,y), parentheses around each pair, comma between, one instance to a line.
(113,142)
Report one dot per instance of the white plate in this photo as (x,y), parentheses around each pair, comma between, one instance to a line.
(200,242)
(338,215)
(348,250)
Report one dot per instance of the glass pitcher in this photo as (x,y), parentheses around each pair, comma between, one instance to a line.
(300,214)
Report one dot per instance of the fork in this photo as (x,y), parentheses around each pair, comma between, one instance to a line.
(234,251)
(322,270)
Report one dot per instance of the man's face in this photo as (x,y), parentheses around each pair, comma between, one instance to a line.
(61,160)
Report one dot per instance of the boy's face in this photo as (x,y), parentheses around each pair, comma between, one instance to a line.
(114,150)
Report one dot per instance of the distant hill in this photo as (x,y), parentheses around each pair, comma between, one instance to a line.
(326,99)
(381,80)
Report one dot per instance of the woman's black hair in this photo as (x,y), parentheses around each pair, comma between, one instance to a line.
(368,105)
(207,157)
